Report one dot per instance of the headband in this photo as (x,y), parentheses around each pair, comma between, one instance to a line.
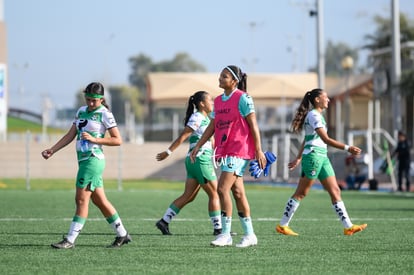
(93,95)
(233,73)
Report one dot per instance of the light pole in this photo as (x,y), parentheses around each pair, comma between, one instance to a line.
(21,69)
(396,65)
(47,105)
(320,53)
(253,60)
(347,64)
(107,70)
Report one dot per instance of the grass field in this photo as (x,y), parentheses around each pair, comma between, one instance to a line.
(18,125)
(31,220)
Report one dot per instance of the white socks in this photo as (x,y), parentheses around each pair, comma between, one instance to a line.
(340,210)
(289,211)
(74,230)
(119,228)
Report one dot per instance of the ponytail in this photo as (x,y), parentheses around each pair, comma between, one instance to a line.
(305,106)
(194,104)
(239,76)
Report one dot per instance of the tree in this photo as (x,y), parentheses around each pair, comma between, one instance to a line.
(334,53)
(182,62)
(119,96)
(381,62)
(382,35)
(141,65)
(382,38)
(333,57)
(116,97)
(407,83)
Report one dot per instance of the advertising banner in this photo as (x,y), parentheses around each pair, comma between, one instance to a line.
(3,102)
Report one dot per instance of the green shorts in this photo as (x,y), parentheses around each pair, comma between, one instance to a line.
(316,166)
(202,169)
(90,173)
(233,165)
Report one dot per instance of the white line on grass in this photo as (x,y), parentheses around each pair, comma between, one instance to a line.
(201,220)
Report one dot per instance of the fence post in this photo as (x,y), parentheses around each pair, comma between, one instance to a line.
(275,146)
(28,140)
(120,168)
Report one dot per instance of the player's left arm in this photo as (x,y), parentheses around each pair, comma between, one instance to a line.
(65,140)
(114,138)
(246,107)
(337,144)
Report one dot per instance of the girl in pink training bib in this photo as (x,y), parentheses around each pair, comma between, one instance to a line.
(237,141)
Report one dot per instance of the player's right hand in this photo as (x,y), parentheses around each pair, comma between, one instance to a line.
(47,153)
(162,156)
(292,165)
(193,154)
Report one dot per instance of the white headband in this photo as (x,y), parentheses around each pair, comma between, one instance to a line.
(233,73)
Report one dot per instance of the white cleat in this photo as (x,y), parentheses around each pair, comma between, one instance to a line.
(248,240)
(223,240)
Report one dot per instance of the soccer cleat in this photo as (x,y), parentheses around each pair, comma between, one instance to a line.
(163,227)
(354,229)
(248,240)
(120,241)
(63,244)
(222,240)
(217,231)
(285,230)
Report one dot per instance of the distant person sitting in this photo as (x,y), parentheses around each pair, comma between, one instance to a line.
(404,160)
(354,178)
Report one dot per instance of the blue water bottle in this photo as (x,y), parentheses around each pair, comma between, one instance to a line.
(84,145)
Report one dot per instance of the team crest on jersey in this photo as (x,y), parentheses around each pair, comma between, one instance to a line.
(95,117)
(313,173)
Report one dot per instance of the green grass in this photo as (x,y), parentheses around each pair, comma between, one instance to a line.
(31,220)
(17,125)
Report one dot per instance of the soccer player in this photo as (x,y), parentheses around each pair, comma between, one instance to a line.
(199,174)
(89,127)
(402,151)
(237,141)
(315,162)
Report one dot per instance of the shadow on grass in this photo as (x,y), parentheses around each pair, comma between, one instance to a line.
(109,234)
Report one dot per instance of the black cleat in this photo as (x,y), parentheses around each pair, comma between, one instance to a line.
(163,227)
(63,244)
(218,232)
(120,241)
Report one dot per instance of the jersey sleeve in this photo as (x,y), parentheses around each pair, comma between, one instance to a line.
(194,121)
(108,120)
(246,105)
(315,120)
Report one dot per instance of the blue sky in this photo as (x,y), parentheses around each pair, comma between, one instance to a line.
(56,47)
